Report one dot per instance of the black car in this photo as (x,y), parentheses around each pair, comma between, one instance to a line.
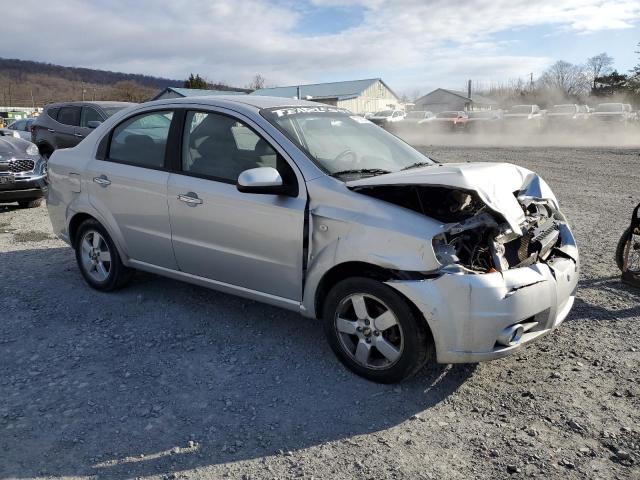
(23,172)
(64,125)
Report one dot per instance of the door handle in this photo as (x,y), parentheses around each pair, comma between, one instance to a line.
(190,199)
(78,135)
(51,130)
(102,180)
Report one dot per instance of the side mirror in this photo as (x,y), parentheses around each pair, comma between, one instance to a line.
(266,180)
(93,124)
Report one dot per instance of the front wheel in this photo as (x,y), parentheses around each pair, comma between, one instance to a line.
(374,331)
(98,258)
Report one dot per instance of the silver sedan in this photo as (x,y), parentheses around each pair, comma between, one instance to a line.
(314,209)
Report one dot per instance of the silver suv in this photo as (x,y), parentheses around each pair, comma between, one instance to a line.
(314,209)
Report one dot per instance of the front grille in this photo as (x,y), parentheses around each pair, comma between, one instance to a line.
(17,166)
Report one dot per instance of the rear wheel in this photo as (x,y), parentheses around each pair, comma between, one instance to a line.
(98,258)
(374,331)
(30,203)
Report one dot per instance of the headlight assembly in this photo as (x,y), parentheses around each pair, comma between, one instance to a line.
(33,150)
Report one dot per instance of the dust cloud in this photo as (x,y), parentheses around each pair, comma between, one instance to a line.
(629,137)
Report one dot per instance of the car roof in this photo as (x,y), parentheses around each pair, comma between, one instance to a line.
(256,101)
(97,103)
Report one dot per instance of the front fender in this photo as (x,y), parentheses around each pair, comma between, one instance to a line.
(337,239)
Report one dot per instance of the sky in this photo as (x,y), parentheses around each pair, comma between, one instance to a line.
(414,45)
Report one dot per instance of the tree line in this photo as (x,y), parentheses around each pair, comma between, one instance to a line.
(594,81)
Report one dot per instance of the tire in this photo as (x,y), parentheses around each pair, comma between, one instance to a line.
(98,258)
(45,151)
(620,251)
(387,352)
(620,248)
(30,203)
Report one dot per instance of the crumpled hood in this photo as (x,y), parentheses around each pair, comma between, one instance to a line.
(494,183)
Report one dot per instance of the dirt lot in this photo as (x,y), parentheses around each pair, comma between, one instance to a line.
(167,380)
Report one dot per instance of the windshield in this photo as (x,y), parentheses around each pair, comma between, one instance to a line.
(563,109)
(112,110)
(383,113)
(342,143)
(609,107)
(519,109)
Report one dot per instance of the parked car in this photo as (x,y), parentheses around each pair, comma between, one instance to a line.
(524,118)
(313,209)
(567,117)
(22,171)
(22,128)
(415,121)
(385,118)
(610,114)
(484,121)
(450,120)
(64,125)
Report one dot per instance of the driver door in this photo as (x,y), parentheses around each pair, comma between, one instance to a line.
(247,240)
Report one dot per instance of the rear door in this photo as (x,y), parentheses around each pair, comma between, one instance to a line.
(65,131)
(128,186)
(252,241)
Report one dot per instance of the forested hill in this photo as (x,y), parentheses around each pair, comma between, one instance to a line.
(14,67)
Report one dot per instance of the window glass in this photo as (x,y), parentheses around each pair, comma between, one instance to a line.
(69,116)
(19,125)
(344,144)
(112,110)
(142,140)
(222,147)
(89,115)
(53,112)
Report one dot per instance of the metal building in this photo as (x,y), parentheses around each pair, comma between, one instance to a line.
(174,92)
(441,100)
(359,96)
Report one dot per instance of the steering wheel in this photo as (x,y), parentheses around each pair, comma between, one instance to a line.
(344,153)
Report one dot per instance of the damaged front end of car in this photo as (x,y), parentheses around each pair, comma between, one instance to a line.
(475,238)
(508,260)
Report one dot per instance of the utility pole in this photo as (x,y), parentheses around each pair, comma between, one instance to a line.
(531,81)
(33,104)
(82,86)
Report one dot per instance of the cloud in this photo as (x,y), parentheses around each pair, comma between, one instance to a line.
(413,41)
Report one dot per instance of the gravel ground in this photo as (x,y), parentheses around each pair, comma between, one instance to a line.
(168,380)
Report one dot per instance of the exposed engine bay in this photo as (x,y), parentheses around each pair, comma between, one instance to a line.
(476,237)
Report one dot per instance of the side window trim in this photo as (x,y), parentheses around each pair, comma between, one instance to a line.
(102,152)
(176,164)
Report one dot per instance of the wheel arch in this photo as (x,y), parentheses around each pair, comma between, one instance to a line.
(352,269)
(74,225)
(79,218)
(44,147)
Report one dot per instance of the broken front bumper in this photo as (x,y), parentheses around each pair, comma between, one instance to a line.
(469,315)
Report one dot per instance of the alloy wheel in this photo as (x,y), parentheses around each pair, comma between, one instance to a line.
(369,331)
(96,256)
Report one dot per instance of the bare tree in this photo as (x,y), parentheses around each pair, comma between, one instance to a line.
(256,83)
(598,65)
(566,78)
